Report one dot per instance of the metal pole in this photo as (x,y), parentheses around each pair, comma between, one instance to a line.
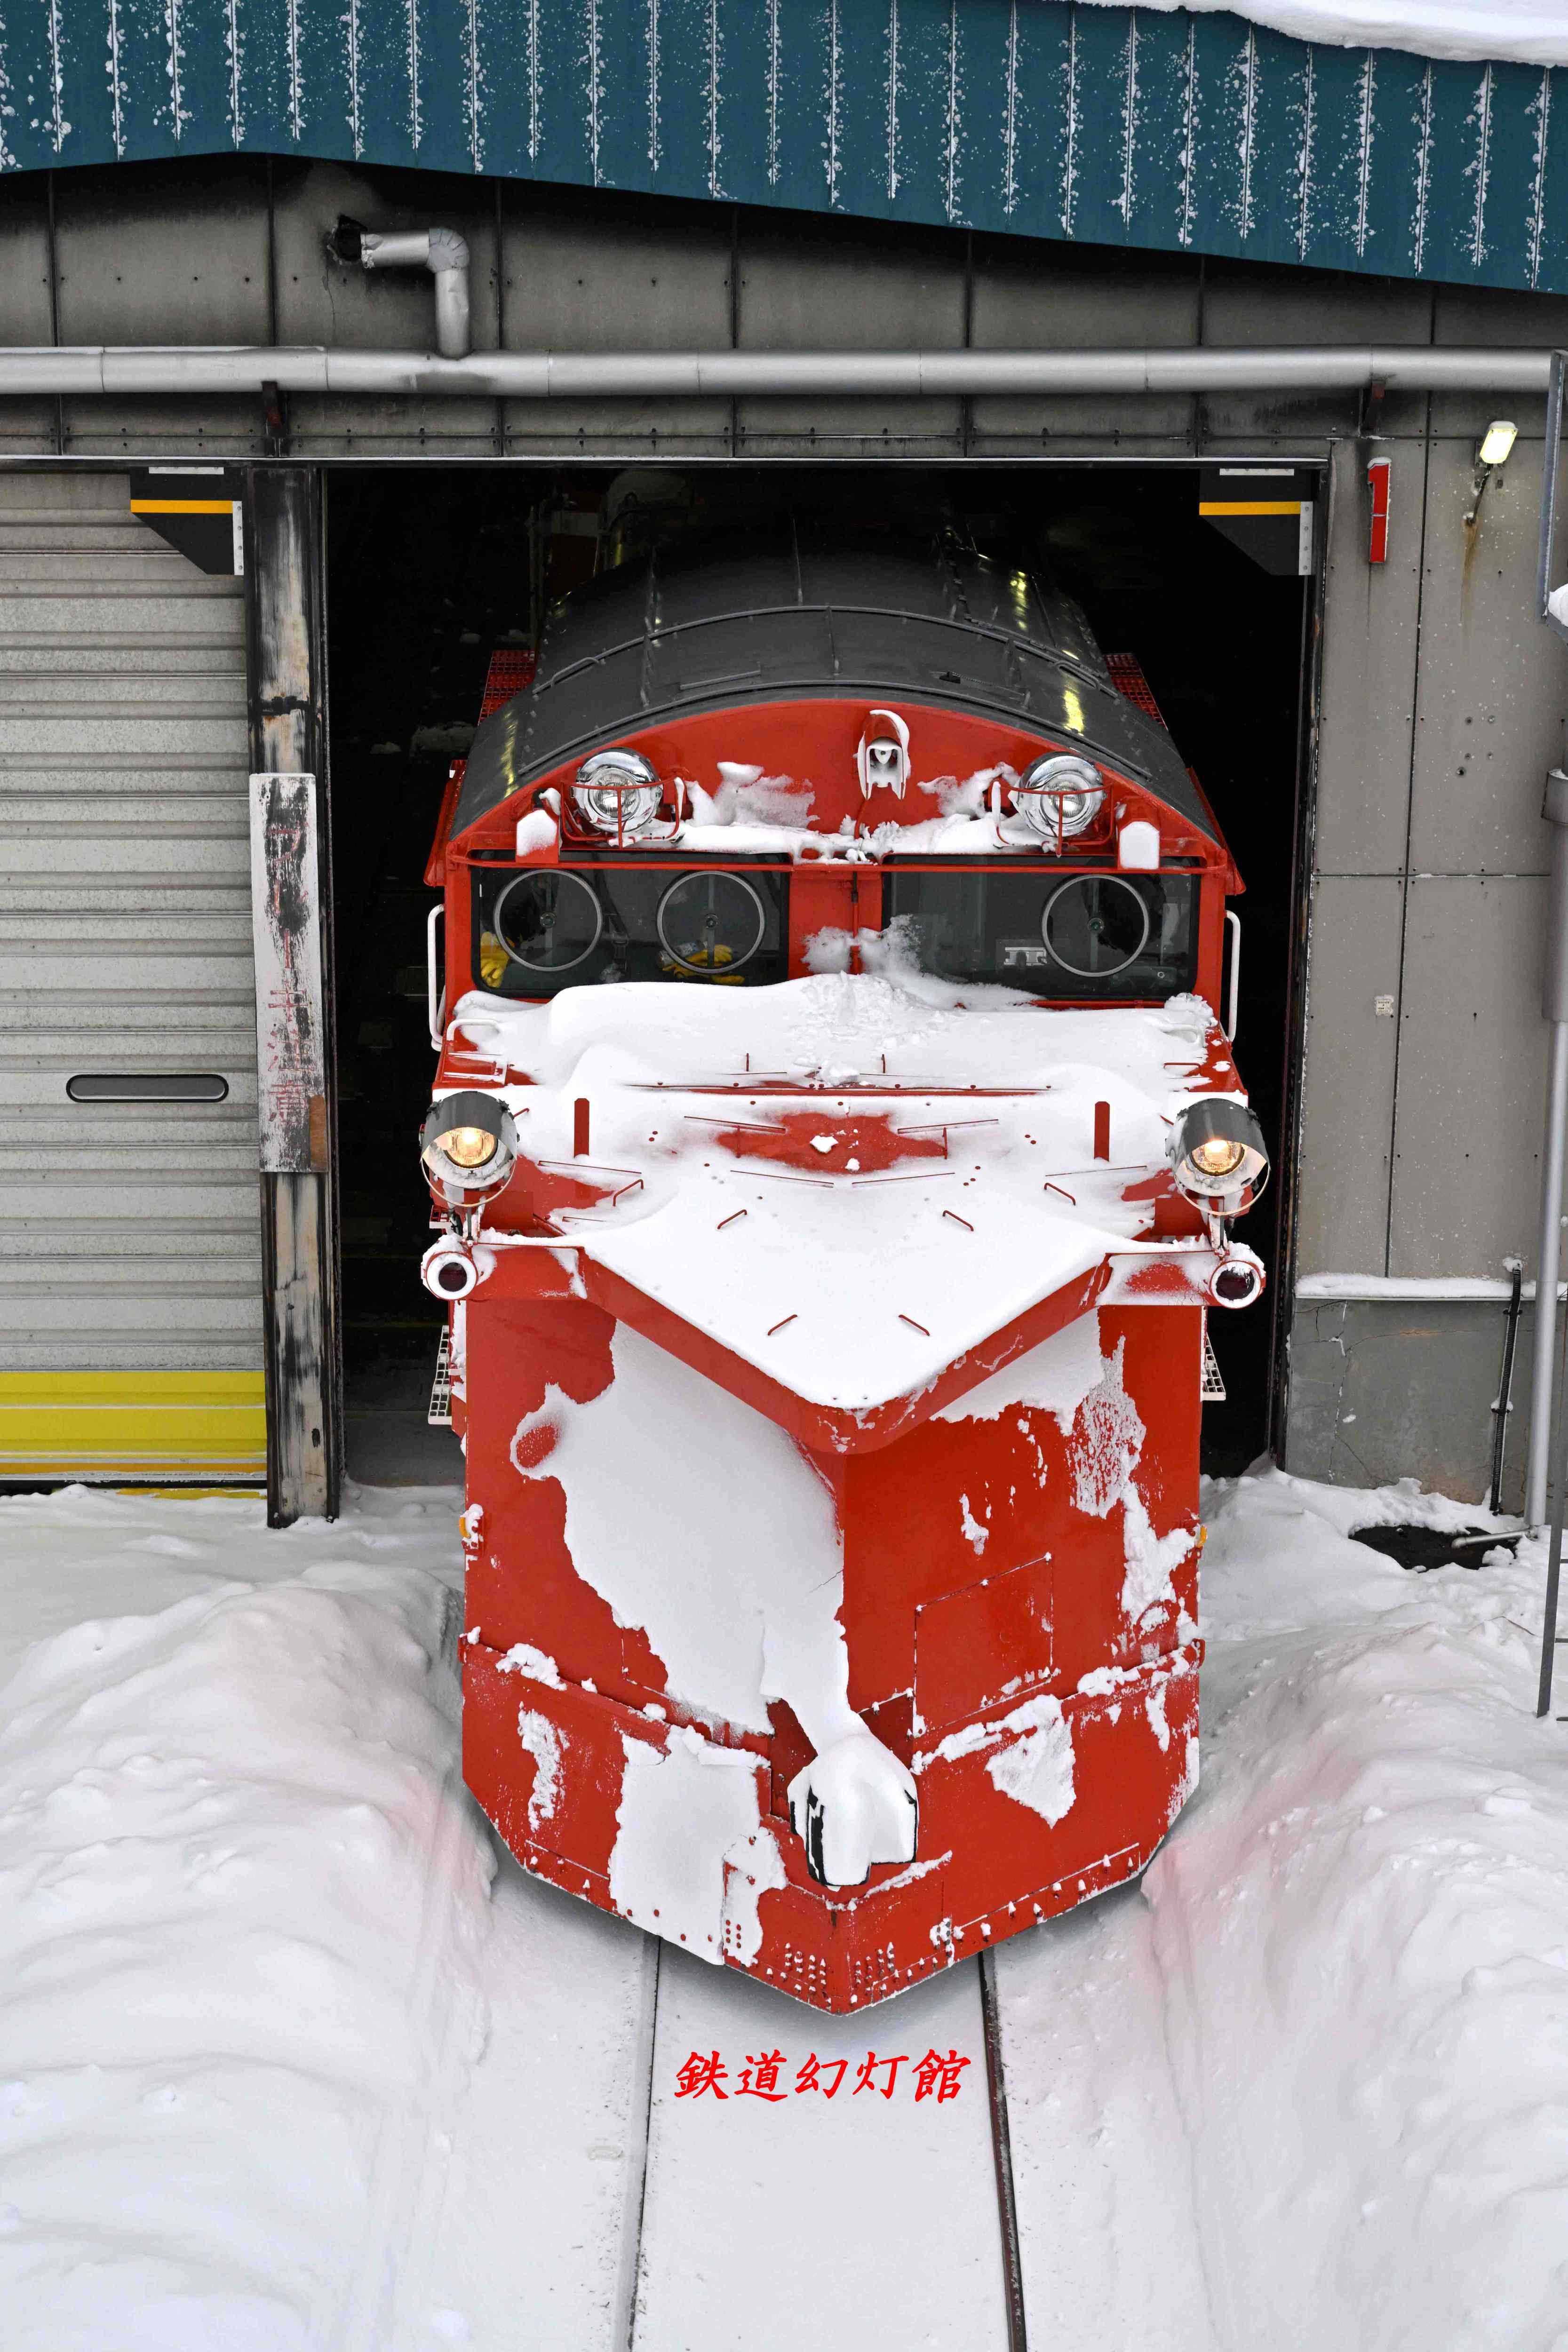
(1002,2154)
(1504,1405)
(1554,1564)
(1554,1008)
(1548,1244)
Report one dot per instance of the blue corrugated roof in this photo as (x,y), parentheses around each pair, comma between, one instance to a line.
(1196,134)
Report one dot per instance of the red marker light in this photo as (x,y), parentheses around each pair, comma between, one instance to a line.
(1377,475)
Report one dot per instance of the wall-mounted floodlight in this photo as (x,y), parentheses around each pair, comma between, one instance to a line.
(1493,449)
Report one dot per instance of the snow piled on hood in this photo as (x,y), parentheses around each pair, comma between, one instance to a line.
(1529,32)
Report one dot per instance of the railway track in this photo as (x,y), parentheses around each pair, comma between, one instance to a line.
(579,2194)
(595,2206)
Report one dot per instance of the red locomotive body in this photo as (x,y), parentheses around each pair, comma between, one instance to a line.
(833,1152)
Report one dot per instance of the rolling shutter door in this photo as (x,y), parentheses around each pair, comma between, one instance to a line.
(129,1230)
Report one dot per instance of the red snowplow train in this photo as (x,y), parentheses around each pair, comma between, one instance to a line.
(834,1154)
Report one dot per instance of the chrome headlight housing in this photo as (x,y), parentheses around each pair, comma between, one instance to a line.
(1059,795)
(468,1142)
(618,792)
(1219,1157)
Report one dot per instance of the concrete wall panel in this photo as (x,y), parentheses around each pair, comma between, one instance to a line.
(1247,306)
(580,274)
(159,429)
(1245,303)
(1042,297)
(157,255)
(1347,1115)
(1473,1048)
(454,430)
(634,429)
(1370,638)
(1486,314)
(25,262)
(28,427)
(806,282)
(1381,1390)
(1493,692)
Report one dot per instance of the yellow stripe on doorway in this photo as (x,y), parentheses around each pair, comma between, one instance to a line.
(182,506)
(1249,506)
(108,1424)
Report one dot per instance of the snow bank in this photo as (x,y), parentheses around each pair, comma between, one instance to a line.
(1531,32)
(1361,1929)
(242,1900)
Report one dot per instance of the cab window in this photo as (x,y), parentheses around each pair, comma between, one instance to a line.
(550,927)
(1094,936)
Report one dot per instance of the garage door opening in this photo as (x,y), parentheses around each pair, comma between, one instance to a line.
(431,571)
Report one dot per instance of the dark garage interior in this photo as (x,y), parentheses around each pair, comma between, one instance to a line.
(429,570)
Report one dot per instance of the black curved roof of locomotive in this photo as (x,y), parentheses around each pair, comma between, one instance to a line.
(715,626)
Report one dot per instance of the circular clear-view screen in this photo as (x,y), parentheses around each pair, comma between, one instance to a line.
(710,924)
(548,922)
(1095,925)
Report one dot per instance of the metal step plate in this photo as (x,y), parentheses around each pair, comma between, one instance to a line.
(440,1413)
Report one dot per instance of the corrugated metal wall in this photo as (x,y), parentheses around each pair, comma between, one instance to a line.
(1118,126)
(129,1242)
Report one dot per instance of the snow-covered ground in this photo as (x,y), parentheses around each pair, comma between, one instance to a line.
(281,2068)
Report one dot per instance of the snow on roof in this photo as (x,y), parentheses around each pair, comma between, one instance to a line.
(853,1179)
(1531,32)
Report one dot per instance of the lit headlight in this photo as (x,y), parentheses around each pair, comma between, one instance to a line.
(1059,796)
(469,1139)
(1219,1154)
(470,1146)
(617,792)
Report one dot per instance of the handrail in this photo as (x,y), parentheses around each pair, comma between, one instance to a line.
(435,995)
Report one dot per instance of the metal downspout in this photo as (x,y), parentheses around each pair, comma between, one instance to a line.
(1554,1007)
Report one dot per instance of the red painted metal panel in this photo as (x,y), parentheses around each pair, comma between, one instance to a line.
(985,1648)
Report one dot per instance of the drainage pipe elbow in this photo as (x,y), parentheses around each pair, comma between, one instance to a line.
(442,252)
(448,265)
